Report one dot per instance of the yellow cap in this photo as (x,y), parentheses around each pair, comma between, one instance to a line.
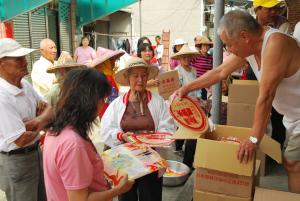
(265,3)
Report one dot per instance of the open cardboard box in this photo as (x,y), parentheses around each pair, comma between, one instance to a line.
(217,155)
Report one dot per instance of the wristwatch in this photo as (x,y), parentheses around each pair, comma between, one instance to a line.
(253,139)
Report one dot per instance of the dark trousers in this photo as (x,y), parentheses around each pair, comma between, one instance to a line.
(179,145)
(189,152)
(278,129)
(146,188)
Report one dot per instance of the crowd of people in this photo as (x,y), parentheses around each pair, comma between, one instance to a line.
(46,151)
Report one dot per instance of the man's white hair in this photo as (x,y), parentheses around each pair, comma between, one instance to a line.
(233,22)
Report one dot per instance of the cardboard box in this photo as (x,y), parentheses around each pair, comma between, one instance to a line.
(207,196)
(225,183)
(262,158)
(243,91)
(240,114)
(241,103)
(262,194)
(214,154)
(168,83)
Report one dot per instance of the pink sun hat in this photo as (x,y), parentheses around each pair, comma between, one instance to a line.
(104,54)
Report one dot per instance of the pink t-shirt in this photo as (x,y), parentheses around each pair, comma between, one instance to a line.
(71,163)
(85,55)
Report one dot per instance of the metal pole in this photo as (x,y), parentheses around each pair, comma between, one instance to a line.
(140,13)
(201,17)
(217,60)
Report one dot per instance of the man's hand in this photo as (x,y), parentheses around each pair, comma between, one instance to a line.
(34,124)
(124,185)
(246,151)
(182,91)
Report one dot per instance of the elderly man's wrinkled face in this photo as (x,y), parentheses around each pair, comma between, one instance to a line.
(15,67)
(138,78)
(237,45)
(49,50)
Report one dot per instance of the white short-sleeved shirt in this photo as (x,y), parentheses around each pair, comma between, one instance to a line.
(16,106)
(41,80)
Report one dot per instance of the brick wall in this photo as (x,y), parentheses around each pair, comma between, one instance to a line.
(293,11)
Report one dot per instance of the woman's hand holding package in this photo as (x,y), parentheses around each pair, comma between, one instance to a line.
(126,135)
(124,185)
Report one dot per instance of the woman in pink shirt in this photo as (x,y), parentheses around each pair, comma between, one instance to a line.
(73,170)
(84,54)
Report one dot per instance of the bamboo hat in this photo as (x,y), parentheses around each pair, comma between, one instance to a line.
(185,51)
(64,61)
(133,62)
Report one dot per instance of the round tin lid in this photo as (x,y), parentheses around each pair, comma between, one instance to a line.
(189,114)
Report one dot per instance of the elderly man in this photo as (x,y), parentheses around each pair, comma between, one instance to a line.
(275,59)
(20,160)
(41,80)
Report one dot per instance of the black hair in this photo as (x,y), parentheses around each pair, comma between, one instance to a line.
(84,37)
(141,41)
(78,101)
(143,47)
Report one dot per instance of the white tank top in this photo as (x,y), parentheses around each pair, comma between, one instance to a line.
(287,97)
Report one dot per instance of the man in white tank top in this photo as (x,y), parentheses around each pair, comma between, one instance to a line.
(275,59)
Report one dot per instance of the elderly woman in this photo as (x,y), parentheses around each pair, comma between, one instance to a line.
(73,169)
(137,111)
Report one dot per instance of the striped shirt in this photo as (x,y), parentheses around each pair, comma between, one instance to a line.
(202,64)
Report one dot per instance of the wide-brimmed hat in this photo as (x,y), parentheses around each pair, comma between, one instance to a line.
(11,48)
(64,61)
(104,54)
(265,3)
(133,62)
(179,41)
(185,51)
(204,41)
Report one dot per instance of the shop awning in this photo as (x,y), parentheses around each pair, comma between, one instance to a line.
(12,8)
(91,10)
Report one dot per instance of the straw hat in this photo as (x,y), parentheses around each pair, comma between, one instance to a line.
(133,62)
(265,3)
(64,61)
(104,54)
(204,41)
(185,51)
